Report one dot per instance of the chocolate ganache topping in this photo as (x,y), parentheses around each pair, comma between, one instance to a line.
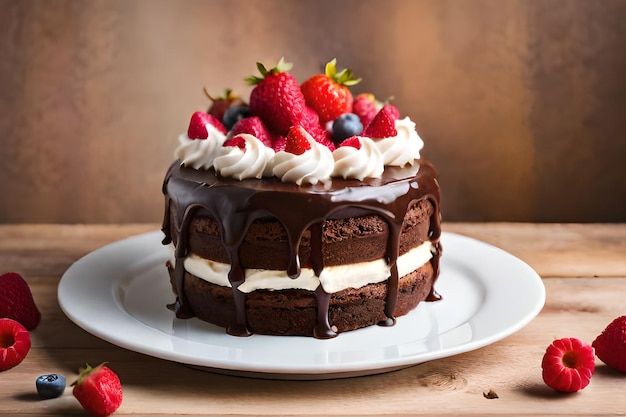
(236,204)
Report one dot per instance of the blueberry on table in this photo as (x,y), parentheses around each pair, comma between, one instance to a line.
(50,385)
(346,125)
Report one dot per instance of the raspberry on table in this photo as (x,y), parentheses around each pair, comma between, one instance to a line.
(610,345)
(568,364)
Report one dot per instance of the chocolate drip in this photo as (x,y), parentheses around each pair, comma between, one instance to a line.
(236,204)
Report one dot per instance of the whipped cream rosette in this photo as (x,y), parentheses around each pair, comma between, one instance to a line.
(314,164)
(361,161)
(200,152)
(402,149)
(252,160)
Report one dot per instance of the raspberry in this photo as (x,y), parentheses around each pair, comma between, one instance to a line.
(365,107)
(610,345)
(16,301)
(14,343)
(568,365)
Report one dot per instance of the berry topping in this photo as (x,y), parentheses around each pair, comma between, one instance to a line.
(353,141)
(237,141)
(253,126)
(199,125)
(346,125)
(392,110)
(366,107)
(610,345)
(16,301)
(383,125)
(14,343)
(276,97)
(279,143)
(234,114)
(98,390)
(50,386)
(568,365)
(328,93)
(298,141)
(220,105)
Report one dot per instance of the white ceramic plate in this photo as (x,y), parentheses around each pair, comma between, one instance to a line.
(119,293)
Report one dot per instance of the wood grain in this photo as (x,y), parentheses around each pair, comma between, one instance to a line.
(520,103)
(578,304)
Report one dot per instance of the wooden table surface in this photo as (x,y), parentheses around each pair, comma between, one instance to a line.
(583,268)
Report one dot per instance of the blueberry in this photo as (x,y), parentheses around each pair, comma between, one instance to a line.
(234,114)
(346,125)
(50,385)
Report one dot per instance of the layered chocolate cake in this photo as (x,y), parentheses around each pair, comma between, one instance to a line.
(305,212)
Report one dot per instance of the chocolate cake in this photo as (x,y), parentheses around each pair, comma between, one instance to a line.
(297,229)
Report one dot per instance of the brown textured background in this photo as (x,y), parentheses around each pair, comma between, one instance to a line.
(522,104)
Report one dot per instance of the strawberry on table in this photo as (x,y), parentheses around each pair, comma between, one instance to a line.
(16,301)
(610,345)
(328,93)
(276,97)
(14,343)
(98,390)
(568,365)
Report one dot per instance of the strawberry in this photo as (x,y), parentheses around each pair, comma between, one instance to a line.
(383,125)
(328,93)
(298,140)
(14,343)
(237,141)
(16,301)
(198,125)
(219,105)
(310,121)
(98,390)
(568,365)
(276,97)
(353,141)
(365,106)
(255,127)
(610,345)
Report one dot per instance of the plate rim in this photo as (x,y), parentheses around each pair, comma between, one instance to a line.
(309,371)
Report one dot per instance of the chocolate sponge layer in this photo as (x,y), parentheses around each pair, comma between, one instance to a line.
(293,312)
(345,241)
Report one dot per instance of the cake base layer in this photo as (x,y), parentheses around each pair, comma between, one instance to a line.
(295,312)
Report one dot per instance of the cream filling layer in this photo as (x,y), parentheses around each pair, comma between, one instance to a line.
(333,278)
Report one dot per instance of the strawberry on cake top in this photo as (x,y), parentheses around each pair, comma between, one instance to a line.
(347,137)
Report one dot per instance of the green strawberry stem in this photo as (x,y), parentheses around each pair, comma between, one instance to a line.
(282,66)
(343,77)
(83,372)
(229,95)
